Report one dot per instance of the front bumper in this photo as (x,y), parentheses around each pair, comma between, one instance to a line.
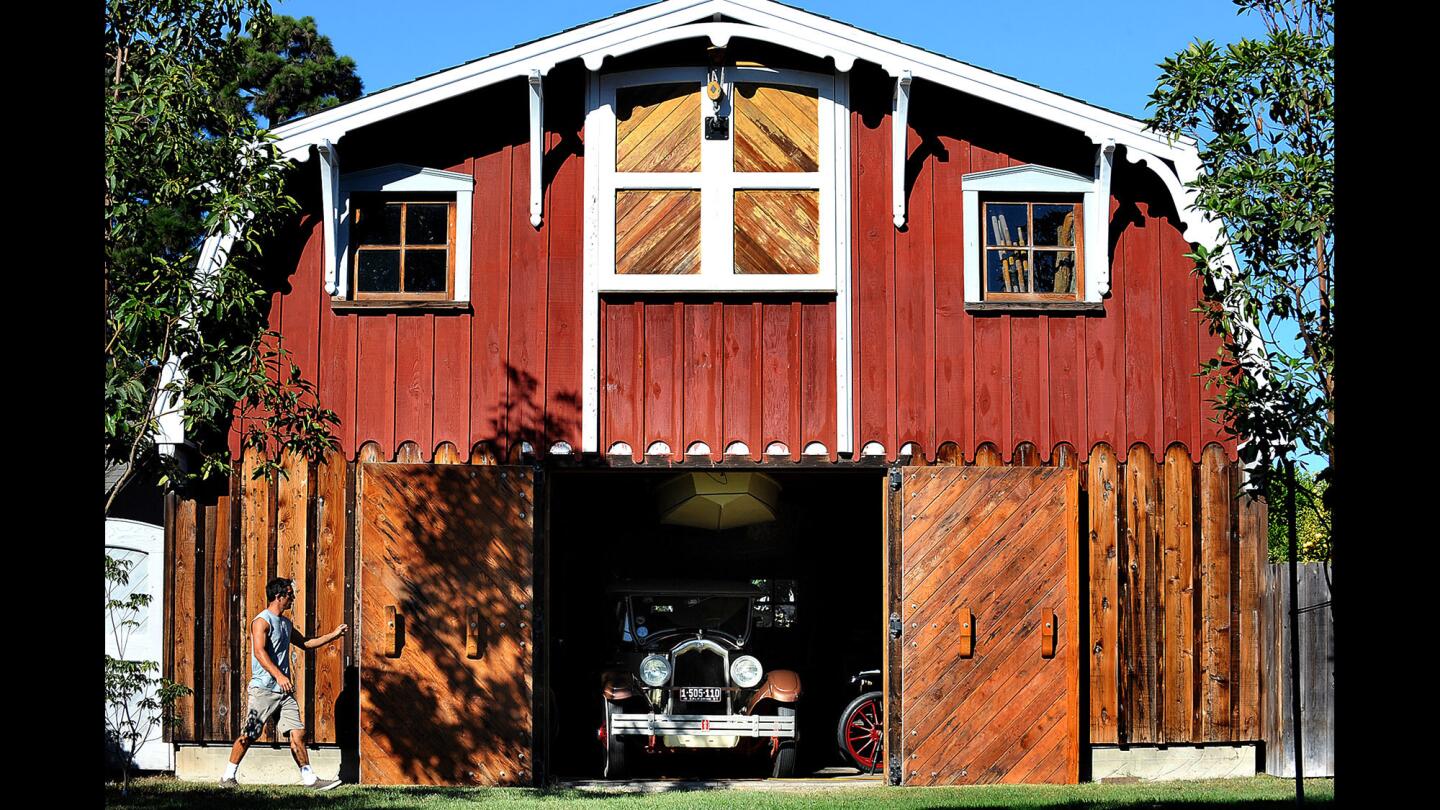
(703,725)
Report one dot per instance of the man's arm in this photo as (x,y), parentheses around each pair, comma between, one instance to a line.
(299,639)
(259,647)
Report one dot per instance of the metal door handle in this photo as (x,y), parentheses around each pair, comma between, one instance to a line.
(392,632)
(472,632)
(1048,630)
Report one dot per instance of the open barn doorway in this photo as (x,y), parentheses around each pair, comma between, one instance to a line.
(818,567)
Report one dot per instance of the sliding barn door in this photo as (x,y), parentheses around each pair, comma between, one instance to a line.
(446,626)
(982,678)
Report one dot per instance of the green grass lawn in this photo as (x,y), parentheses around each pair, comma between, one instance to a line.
(1260,791)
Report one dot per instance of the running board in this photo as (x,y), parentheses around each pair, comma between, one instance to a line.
(731,725)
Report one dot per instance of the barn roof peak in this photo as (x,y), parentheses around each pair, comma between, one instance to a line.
(722,20)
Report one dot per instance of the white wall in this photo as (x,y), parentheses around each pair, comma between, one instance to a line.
(144,543)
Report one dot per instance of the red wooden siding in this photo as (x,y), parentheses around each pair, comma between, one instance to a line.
(757,369)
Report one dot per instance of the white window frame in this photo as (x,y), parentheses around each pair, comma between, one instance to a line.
(1033,179)
(834,93)
(400,179)
(717,182)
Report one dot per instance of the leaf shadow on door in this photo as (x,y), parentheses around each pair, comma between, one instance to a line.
(438,542)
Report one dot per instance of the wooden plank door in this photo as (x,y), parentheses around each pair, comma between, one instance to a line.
(982,678)
(446,628)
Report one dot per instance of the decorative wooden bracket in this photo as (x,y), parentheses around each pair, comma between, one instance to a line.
(537,144)
(899,126)
(330,200)
(1097,222)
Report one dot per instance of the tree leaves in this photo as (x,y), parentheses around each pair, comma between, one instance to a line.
(1262,112)
(182,166)
(287,68)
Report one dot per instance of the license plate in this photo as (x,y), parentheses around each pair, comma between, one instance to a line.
(700,693)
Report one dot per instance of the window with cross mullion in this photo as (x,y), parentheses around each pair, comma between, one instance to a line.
(723,186)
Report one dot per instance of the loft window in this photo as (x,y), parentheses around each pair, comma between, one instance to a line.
(1035,237)
(404,235)
(404,248)
(1033,250)
(730,193)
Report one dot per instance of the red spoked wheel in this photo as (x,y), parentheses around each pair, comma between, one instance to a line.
(861,734)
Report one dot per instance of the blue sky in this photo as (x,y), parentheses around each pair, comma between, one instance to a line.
(1103,52)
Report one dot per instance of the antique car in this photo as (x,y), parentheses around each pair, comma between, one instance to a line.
(683,677)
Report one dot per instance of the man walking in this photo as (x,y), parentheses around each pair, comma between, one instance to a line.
(271,691)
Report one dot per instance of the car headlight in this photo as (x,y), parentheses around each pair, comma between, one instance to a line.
(655,670)
(745,671)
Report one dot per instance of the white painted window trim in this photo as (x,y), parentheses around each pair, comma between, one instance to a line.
(1033,179)
(833,180)
(716,182)
(402,178)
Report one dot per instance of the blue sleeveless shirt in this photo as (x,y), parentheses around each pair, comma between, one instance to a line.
(278,645)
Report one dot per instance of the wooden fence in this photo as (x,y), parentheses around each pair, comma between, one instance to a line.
(1172,565)
(220,553)
(1174,603)
(1317,672)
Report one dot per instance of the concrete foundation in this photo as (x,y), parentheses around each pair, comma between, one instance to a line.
(263,764)
(1163,763)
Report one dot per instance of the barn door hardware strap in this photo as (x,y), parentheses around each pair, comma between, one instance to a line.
(896,626)
(894,769)
(896,479)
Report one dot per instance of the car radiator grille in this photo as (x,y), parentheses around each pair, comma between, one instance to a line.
(699,668)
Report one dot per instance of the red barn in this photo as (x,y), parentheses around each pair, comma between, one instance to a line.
(946,315)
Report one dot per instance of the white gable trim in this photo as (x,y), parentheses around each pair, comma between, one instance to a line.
(771,22)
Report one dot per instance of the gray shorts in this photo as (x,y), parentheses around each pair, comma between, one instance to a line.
(263,705)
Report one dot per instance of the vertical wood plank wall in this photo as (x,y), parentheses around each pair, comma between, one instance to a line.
(1173,592)
(755,369)
(1174,599)
(294,526)
(1317,670)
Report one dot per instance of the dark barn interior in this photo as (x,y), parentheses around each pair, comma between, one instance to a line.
(827,538)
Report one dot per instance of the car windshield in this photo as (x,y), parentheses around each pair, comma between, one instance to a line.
(654,615)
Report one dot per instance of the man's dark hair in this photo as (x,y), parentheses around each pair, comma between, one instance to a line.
(277,586)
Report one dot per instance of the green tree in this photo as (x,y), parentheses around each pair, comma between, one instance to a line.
(179,167)
(137,700)
(285,68)
(1263,113)
(1312,517)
